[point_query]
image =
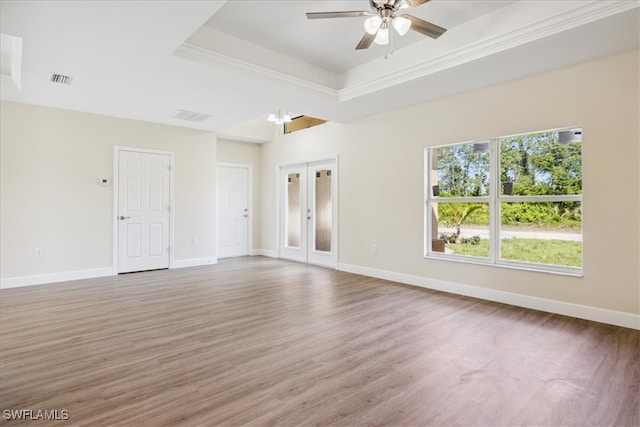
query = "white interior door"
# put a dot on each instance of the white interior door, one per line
(143, 211)
(233, 211)
(309, 213)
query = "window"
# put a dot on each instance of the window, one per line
(511, 201)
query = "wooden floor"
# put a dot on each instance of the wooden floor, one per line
(260, 341)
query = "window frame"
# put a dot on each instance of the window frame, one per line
(494, 200)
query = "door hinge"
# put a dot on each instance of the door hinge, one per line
(169, 167)
(168, 208)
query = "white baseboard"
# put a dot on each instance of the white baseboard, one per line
(264, 252)
(196, 262)
(41, 279)
(612, 317)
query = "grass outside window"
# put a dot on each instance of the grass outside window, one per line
(537, 251)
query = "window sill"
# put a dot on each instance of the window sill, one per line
(536, 268)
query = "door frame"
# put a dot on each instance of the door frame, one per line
(278, 226)
(116, 188)
(249, 169)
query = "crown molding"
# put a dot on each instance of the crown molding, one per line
(573, 18)
(225, 62)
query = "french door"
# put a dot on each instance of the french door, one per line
(308, 213)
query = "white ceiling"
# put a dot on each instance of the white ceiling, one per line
(239, 59)
(330, 43)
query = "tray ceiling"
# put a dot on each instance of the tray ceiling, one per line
(234, 61)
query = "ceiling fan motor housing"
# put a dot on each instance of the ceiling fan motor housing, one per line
(393, 5)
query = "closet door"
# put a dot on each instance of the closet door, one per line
(232, 195)
(144, 214)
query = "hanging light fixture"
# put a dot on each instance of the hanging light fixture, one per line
(379, 25)
(279, 117)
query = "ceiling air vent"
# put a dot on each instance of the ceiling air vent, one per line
(190, 116)
(61, 79)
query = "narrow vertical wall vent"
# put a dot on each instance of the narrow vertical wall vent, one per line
(190, 116)
(61, 79)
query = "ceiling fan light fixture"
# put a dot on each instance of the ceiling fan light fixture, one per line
(372, 24)
(402, 25)
(279, 117)
(382, 36)
(403, 4)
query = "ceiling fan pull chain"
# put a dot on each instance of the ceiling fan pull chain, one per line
(391, 42)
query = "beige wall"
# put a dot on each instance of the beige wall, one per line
(51, 161)
(381, 178)
(246, 153)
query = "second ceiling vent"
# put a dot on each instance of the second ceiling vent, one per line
(190, 116)
(60, 79)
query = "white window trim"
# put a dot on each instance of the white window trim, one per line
(494, 199)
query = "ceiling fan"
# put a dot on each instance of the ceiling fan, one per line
(383, 16)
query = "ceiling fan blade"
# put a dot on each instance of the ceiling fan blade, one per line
(366, 41)
(424, 27)
(403, 4)
(347, 14)
(416, 3)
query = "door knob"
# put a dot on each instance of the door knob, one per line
(122, 218)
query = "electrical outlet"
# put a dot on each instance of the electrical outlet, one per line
(39, 252)
(194, 241)
(374, 248)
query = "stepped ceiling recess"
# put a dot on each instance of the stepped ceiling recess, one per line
(234, 61)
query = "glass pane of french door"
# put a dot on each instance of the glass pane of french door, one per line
(293, 207)
(323, 211)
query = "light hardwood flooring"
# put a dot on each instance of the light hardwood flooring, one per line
(258, 341)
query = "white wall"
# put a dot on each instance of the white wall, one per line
(51, 161)
(247, 154)
(381, 180)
